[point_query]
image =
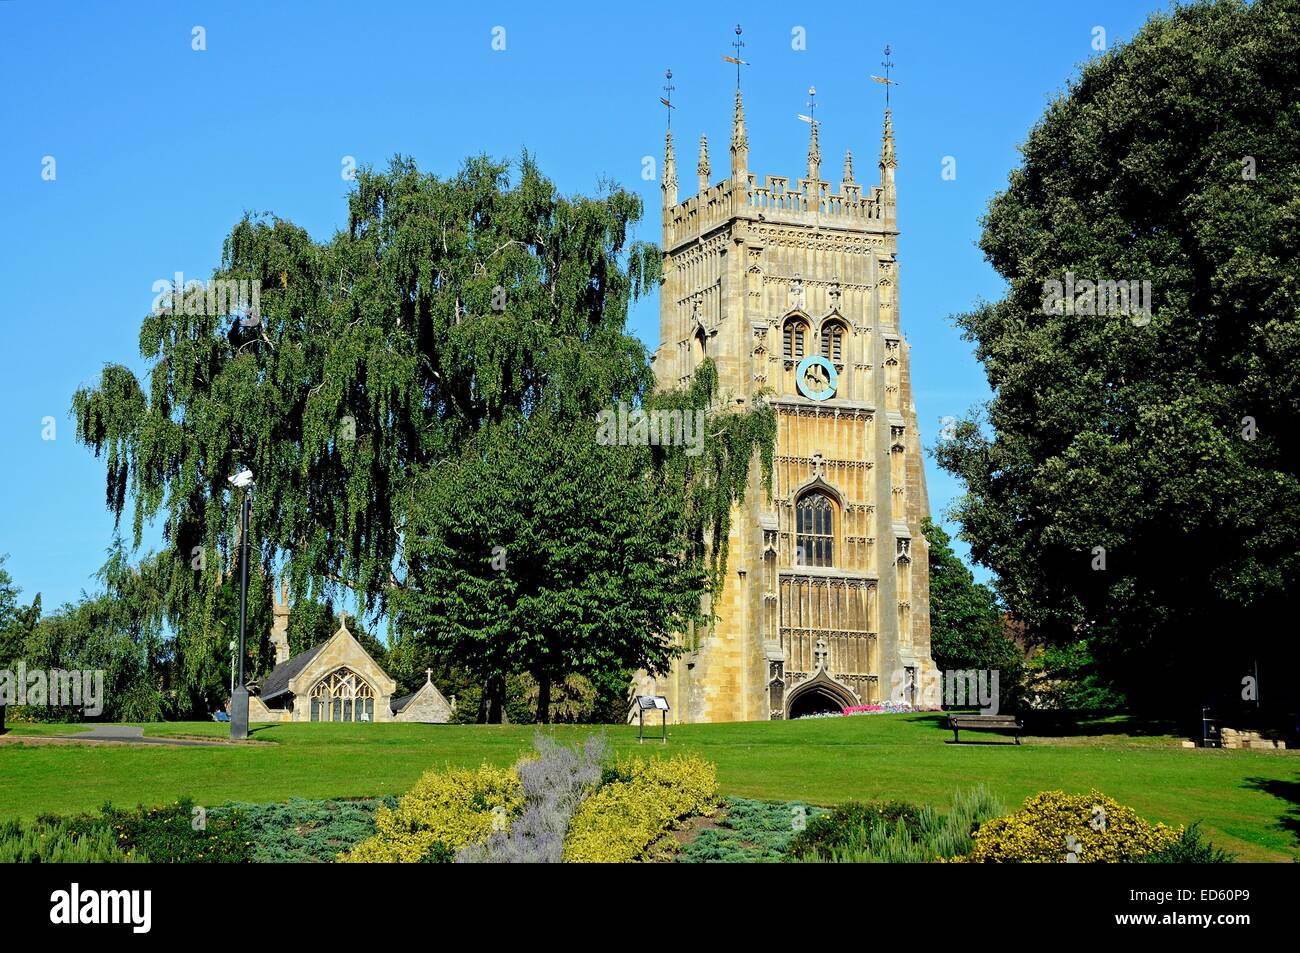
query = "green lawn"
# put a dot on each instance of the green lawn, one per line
(1249, 801)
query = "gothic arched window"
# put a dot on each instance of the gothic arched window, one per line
(814, 530)
(342, 695)
(833, 342)
(795, 333)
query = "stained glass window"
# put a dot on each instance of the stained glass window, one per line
(814, 530)
(342, 696)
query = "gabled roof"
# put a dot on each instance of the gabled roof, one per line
(398, 704)
(341, 645)
(277, 683)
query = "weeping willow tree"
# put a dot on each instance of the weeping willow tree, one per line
(712, 482)
(415, 397)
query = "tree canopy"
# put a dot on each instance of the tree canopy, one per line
(1134, 479)
(967, 628)
(414, 393)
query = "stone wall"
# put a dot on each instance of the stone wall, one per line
(257, 711)
(1234, 738)
(428, 706)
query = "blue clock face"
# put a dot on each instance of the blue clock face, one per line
(817, 378)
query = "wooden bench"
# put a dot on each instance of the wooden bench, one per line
(1003, 723)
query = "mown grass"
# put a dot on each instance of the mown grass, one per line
(1247, 800)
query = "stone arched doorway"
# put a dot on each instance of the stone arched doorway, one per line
(815, 702)
(819, 694)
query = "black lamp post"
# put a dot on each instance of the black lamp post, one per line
(239, 697)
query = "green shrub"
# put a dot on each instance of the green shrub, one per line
(173, 834)
(1055, 827)
(749, 832)
(443, 812)
(43, 715)
(53, 842)
(305, 831)
(899, 833)
(640, 803)
(1189, 849)
(439, 854)
(845, 824)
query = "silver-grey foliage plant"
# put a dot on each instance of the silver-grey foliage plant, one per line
(554, 783)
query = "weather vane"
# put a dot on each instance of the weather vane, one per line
(668, 100)
(888, 64)
(737, 44)
(812, 106)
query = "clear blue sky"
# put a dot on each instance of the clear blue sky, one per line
(159, 149)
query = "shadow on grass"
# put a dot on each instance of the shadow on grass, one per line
(993, 744)
(1072, 724)
(1288, 791)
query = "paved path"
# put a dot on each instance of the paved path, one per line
(130, 735)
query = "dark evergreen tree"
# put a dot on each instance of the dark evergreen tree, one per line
(968, 629)
(1135, 481)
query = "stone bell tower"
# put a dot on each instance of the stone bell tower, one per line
(792, 288)
(280, 624)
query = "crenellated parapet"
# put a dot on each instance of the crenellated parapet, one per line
(809, 201)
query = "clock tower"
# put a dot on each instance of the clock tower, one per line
(792, 288)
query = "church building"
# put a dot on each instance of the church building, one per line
(793, 288)
(336, 680)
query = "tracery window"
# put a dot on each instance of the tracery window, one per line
(343, 695)
(814, 530)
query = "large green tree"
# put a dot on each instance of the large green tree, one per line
(543, 550)
(1134, 481)
(116, 630)
(968, 629)
(459, 334)
(16, 621)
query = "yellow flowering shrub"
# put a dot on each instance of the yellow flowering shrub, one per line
(1056, 828)
(625, 818)
(451, 808)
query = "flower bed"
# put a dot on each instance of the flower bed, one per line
(556, 804)
(640, 803)
(885, 708)
(443, 812)
(176, 833)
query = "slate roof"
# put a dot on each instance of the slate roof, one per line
(397, 704)
(277, 683)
